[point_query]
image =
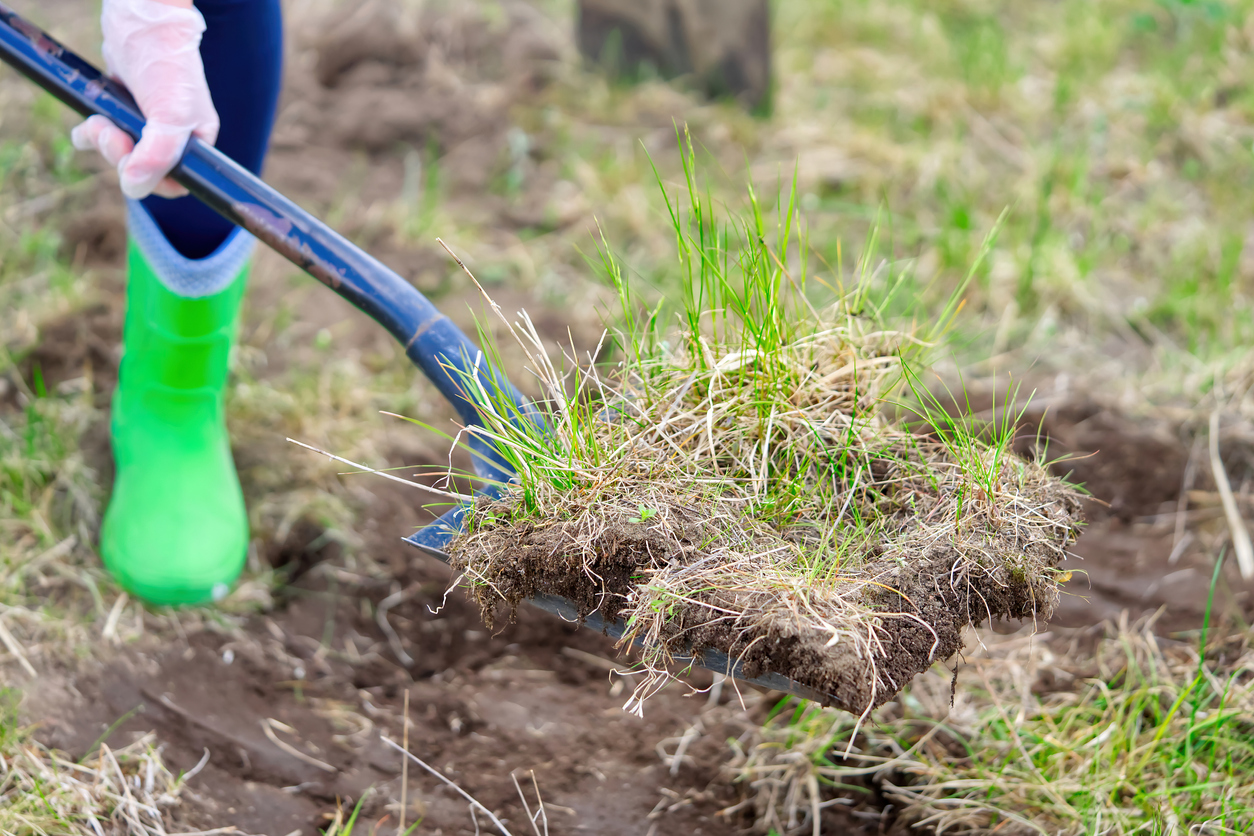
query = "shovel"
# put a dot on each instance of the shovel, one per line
(431, 340)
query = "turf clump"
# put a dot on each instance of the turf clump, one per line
(736, 483)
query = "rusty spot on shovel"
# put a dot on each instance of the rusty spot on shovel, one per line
(279, 234)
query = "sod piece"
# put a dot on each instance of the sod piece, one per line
(736, 483)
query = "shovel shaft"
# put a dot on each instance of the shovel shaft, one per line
(431, 340)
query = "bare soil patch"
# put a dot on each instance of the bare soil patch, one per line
(424, 101)
(80, 348)
(1132, 468)
(1142, 550)
(484, 705)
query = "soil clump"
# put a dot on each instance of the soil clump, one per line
(920, 602)
(750, 498)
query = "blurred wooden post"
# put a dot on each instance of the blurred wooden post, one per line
(724, 45)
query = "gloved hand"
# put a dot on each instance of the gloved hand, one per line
(153, 47)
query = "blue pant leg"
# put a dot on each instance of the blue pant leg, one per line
(242, 50)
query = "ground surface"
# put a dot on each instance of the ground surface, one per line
(482, 708)
(537, 696)
(395, 151)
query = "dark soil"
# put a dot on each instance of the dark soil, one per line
(530, 697)
(926, 599)
(83, 346)
(1130, 468)
(1135, 470)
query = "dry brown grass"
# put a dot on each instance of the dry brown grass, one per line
(122, 792)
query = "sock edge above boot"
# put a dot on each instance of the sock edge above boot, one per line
(183, 276)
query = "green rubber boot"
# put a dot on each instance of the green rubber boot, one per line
(176, 531)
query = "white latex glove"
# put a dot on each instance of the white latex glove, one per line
(153, 47)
